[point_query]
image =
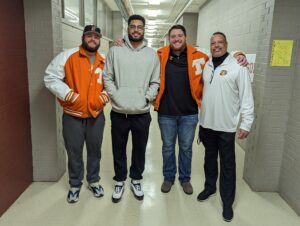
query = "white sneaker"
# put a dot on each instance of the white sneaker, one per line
(73, 195)
(97, 189)
(118, 192)
(136, 188)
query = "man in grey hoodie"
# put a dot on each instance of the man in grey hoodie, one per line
(131, 78)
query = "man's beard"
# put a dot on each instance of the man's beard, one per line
(132, 39)
(88, 48)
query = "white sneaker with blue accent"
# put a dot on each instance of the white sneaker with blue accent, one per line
(97, 189)
(73, 195)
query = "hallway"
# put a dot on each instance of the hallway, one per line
(44, 204)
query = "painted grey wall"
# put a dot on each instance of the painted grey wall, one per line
(117, 25)
(71, 35)
(43, 41)
(190, 22)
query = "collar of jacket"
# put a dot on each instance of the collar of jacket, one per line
(182, 53)
(227, 60)
(164, 52)
(98, 57)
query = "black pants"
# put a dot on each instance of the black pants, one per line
(76, 131)
(121, 124)
(217, 142)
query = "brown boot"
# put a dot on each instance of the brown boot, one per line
(166, 186)
(187, 188)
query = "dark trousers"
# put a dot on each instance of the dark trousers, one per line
(121, 124)
(223, 143)
(76, 131)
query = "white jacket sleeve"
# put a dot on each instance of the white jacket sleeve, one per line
(109, 75)
(246, 99)
(54, 76)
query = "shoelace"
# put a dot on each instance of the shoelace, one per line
(137, 186)
(118, 189)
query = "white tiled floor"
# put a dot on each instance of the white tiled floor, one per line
(44, 204)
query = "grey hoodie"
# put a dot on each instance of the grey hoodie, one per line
(131, 76)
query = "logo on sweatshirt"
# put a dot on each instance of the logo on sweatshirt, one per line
(198, 63)
(223, 72)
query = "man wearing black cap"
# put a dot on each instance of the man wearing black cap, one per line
(75, 78)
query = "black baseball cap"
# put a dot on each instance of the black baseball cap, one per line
(88, 29)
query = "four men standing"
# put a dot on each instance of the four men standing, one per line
(132, 80)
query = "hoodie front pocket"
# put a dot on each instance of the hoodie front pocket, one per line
(130, 98)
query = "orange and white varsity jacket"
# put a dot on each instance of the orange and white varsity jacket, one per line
(196, 62)
(77, 84)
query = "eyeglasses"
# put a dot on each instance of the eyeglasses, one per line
(134, 27)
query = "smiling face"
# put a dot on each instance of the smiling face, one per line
(91, 42)
(177, 40)
(218, 45)
(136, 30)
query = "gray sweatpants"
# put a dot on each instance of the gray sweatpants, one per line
(76, 131)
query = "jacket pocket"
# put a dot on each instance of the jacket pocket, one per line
(77, 108)
(97, 103)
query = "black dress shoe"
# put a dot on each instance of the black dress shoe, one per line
(205, 194)
(227, 214)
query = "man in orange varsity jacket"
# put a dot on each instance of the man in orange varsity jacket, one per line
(75, 78)
(177, 103)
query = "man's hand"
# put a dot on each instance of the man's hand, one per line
(242, 134)
(71, 96)
(119, 42)
(242, 60)
(104, 97)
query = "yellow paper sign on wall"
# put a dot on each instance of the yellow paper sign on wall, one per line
(281, 53)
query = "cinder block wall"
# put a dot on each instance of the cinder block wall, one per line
(287, 17)
(238, 19)
(272, 159)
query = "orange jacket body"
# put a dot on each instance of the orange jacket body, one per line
(71, 71)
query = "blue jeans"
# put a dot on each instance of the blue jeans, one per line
(184, 127)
